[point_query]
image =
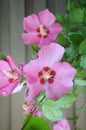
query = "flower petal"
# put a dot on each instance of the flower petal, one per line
(49, 54)
(11, 62)
(46, 17)
(18, 88)
(61, 125)
(6, 67)
(31, 38)
(8, 89)
(64, 73)
(55, 91)
(63, 80)
(55, 29)
(31, 71)
(34, 90)
(31, 23)
(45, 41)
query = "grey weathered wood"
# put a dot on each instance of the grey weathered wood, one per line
(39, 5)
(81, 101)
(17, 50)
(11, 18)
(5, 105)
(60, 6)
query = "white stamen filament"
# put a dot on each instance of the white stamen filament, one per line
(43, 31)
(11, 74)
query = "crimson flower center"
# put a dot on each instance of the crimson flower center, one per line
(46, 75)
(43, 31)
(12, 75)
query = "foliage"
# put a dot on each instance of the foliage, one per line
(3, 57)
(35, 123)
(73, 38)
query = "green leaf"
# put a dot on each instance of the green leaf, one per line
(51, 109)
(2, 57)
(62, 40)
(82, 47)
(76, 14)
(50, 112)
(74, 118)
(84, 108)
(75, 38)
(70, 5)
(70, 53)
(65, 18)
(40, 97)
(80, 82)
(81, 89)
(58, 18)
(82, 2)
(27, 117)
(85, 18)
(83, 32)
(36, 123)
(83, 62)
(66, 101)
(78, 128)
(35, 48)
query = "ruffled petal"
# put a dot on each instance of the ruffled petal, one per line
(3, 81)
(57, 127)
(49, 54)
(31, 38)
(64, 73)
(31, 71)
(45, 41)
(4, 66)
(46, 17)
(61, 125)
(34, 90)
(31, 23)
(11, 62)
(55, 91)
(8, 89)
(55, 28)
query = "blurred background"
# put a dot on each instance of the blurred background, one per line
(12, 13)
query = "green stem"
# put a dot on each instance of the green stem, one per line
(31, 114)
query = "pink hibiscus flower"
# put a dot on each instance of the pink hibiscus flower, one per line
(41, 29)
(48, 74)
(61, 125)
(10, 76)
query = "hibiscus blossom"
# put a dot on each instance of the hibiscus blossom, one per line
(40, 29)
(10, 76)
(47, 74)
(61, 125)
